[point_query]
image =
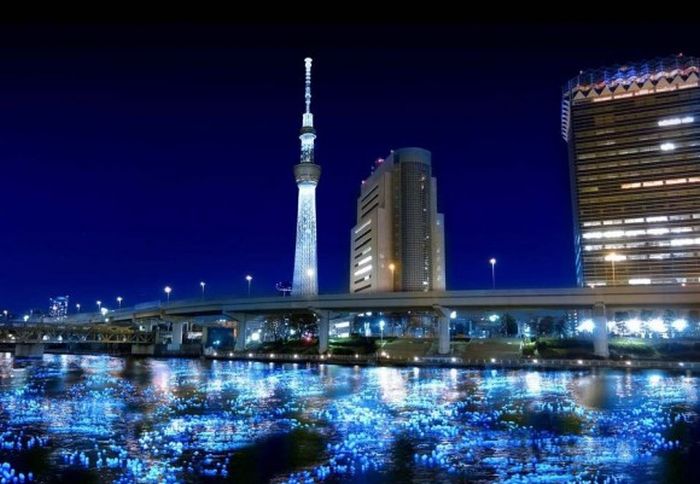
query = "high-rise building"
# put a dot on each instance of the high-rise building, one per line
(634, 144)
(307, 174)
(398, 243)
(58, 308)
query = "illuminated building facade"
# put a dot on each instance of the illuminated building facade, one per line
(307, 174)
(634, 153)
(398, 242)
(58, 308)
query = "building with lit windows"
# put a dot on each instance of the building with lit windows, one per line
(398, 242)
(634, 142)
(58, 308)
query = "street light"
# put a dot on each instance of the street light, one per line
(119, 301)
(202, 284)
(392, 268)
(77, 307)
(613, 257)
(99, 305)
(249, 278)
(6, 313)
(492, 261)
(168, 290)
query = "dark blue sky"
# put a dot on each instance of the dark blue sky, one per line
(132, 157)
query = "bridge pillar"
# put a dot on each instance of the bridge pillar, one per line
(324, 326)
(600, 331)
(177, 335)
(443, 329)
(241, 332)
(29, 350)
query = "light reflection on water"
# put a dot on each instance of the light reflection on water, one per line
(98, 418)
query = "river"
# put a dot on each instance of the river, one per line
(84, 419)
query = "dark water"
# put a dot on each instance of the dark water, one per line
(101, 419)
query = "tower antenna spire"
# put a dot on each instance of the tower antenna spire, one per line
(307, 84)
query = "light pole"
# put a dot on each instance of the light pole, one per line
(99, 306)
(119, 301)
(249, 278)
(6, 313)
(168, 290)
(202, 284)
(612, 258)
(77, 307)
(392, 268)
(492, 261)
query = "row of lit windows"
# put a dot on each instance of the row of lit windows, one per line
(632, 138)
(655, 219)
(363, 226)
(666, 146)
(633, 199)
(646, 281)
(362, 270)
(658, 183)
(639, 245)
(616, 234)
(643, 160)
(658, 256)
(664, 170)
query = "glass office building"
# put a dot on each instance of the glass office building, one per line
(634, 153)
(398, 243)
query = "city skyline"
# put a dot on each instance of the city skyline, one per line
(138, 223)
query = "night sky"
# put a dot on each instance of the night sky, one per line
(132, 157)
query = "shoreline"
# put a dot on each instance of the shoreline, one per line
(687, 367)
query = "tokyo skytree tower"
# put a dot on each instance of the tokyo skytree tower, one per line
(307, 174)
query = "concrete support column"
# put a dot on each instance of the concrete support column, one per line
(205, 336)
(443, 329)
(241, 334)
(600, 331)
(29, 350)
(323, 331)
(444, 335)
(177, 335)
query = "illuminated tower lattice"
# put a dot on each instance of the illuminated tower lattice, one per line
(307, 174)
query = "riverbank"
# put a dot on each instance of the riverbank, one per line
(455, 362)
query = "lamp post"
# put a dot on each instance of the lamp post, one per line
(119, 301)
(99, 306)
(168, 290)
(249, 278)
(77, 307)
(392, 268)
(612, 258)
(492, 261)
(6, 313)
(202, 284)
